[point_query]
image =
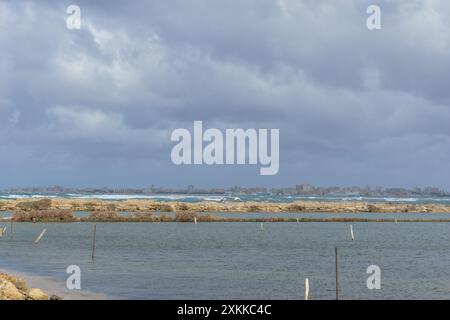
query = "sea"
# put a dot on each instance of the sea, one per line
(260, 197)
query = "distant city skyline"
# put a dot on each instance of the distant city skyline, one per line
(299, 189)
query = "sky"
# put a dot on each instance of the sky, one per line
(97, 106)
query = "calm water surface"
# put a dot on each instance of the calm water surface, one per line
(238, 260)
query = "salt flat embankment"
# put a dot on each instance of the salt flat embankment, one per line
(141, 205)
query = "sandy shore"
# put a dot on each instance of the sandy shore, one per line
(141, 205)
(50, 287)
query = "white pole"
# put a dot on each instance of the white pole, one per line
(306, 289)
(351, 233)
(195, 220)
(262, 226)
(40, 236)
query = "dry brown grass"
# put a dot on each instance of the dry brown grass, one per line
(111, 207)
(163, 207)
(143, 217)
(165, 218)
(89, 206)
(104, 215)
(112, 216)
(182, 206)
(44, 216)
(42, 204)
(209, 218)
(185, 216)
(254, 208)
(372, 208)
(295, 207)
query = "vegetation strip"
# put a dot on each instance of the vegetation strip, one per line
(100, 216)
(144, 205)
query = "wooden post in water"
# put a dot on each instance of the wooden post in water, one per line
(395, 220)
(298, 220)
(262, 226)
(351, 233)
(40, 236)
(306, 289)
(337, 271)
(93, 241)
(195, 220)
(1, 232)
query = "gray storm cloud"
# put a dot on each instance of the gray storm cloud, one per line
(96, 106)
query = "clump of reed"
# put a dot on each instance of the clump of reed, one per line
(112, 216)
(163, 207)
(111, 207)
(254, 208)
(192, 217)
(209, 218)
(104, 216)
(90, 206)
(142, 217)
(165, 218)
(411, 208)
(182, 206)
(371, 208)
(44, 216)
(185, 216)
(295, 207)
(41, 204)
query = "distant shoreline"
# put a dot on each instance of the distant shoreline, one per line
(63, 210)
(145, 205)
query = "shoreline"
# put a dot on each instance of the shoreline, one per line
(58, 216)
(215, 219)
(53, 288)
(65, 210)
(16, 288)
(144, 205)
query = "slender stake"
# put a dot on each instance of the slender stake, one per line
(40, 236)
(11, 228)
(306, 288)
(262, 226)
(337, 272)
(351, 233)
(93, 241)
(195, 220)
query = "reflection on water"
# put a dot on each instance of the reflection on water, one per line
(238, 260)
